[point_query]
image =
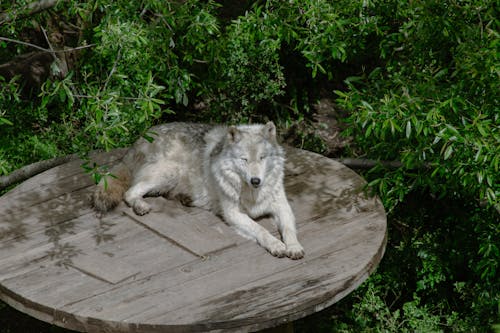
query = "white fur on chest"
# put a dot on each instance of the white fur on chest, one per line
(257, 202)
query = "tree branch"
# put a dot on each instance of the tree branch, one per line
(363, 164)
(32, 8)
(44, 49)
(30, 170)
(26, 44)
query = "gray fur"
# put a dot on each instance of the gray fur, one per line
(236, 172)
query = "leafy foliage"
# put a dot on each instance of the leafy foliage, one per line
(419, 80)
(434, 105)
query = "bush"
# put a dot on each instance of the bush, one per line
(418, 79)
(434, 103)
(433, 106)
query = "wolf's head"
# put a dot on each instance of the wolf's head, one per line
(255, 153)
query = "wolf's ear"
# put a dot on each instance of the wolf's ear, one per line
(233, 134)
(269, 131)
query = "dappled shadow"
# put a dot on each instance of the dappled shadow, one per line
(45, 216)
(319, 187)
(102, 232)
(14, 230)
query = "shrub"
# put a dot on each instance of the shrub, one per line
(434, 103)
(419, 80)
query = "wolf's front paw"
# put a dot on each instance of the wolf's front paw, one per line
(277, 248)
(141, 207)
(295, 251)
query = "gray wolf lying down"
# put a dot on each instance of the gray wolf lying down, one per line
(235, 172)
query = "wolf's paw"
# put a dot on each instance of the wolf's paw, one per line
(277, 248)
(295, 251)
(141, 208)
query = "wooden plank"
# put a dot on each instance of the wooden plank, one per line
(52, 176)
(21, 223)
(65, 249)
(52, 183)
(36, 247)
(23, 200)
(256, 274)
(317, 186)
(266, 297)
(56, 243)
(104, 267)
(154, 254)
(226, 270)
(194, 233)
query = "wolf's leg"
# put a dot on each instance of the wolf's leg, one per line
(153, 179)
(286, 225)
(248, 228)
(134, 196)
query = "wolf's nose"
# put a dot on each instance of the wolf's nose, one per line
(255, 181)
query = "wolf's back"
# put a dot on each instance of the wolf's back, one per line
(109, 191)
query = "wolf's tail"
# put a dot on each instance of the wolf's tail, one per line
(110, 190)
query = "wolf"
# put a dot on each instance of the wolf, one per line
(234, 171)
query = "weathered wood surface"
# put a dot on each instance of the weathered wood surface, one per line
(181, 269)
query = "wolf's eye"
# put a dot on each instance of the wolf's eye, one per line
(244, 159)
(263, 157)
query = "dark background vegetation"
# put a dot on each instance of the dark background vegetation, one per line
(415, 82)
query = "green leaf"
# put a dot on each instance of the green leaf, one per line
(97, 178)
(478, 153)
(448, 152)
(480, 176)
(5, 121)
(367, 105)
(148, 138)
(408, 129)
(452, 129)
(368, 131)
(374, 182)
(441, 73)
(341, 93)
(481, 130)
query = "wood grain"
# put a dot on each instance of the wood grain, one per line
(182, 269)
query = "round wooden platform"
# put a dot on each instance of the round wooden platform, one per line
(181, 269)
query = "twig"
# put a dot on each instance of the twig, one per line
(44, 49)
(26, 44)
(30, 170)
(118, 56)
(117, 97)
(75, 48)
(51, 49)
(62, 66)
(481, 24)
